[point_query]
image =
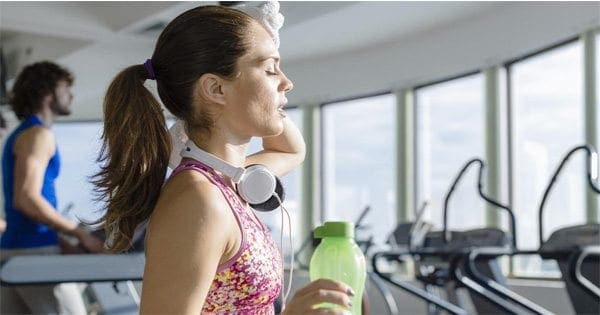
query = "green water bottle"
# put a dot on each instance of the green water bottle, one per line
(339, 258)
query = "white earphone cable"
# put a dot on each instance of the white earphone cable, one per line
(285, 293)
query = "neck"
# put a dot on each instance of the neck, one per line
(223, 145)
(46, 116)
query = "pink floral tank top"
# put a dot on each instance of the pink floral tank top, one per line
(250, 281)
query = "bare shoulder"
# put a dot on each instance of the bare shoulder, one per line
(37, 139)
(188, 235)
(192, 192)
(190, 209)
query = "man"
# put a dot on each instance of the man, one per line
(2, 135)
(30, 164)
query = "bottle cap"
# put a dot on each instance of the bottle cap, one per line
(335, 229)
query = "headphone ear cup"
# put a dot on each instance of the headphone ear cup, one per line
(272, 203)
(257, 185)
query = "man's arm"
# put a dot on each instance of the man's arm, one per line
(33, 150)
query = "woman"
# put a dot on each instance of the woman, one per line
(217, 69)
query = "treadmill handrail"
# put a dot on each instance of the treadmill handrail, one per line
(579, 277)
(497, 287)
(488, 199)
(479, 289)
(385, 292)
(592, 175)
(418, 292)
(419, 227)
(60, 268)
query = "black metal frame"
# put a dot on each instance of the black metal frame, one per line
(590, 152)
(418, 292)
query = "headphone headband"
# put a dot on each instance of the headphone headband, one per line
(190, 150)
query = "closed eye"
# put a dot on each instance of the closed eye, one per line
(271, 72)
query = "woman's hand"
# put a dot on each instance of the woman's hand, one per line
(283, 153)
(320, 291)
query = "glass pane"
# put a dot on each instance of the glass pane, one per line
(450, 131)
(291, 183)
(359, 163)
(548, 121)
(79, 145)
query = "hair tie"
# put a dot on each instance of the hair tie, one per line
(150, 69)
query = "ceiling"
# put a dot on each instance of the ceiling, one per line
(332, 50)
(68, 27)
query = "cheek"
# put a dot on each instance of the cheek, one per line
(262, 97)
(63, 97)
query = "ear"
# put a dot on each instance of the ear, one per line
(48, 99)
(210, 88)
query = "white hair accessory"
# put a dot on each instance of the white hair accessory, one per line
(267, 14)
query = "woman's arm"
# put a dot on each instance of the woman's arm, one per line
(188, 235)
(282, 153)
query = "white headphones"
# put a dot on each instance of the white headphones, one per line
(255, 183)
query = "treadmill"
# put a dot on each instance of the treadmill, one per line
(444, 260)
(576, 249)
(473, 264)
(407, 238)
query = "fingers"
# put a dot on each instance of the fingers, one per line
(318, 292)
(328, 296)
(331, 311)
(326, 284)
(319, 311)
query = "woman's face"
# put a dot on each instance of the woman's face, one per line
(256, 95)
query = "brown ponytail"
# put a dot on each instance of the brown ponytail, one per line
(134, 156)
(136, 146)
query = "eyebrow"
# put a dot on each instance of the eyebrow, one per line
(270, 57)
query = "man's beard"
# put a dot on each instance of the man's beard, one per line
(59, 110)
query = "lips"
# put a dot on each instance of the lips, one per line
(281, 110)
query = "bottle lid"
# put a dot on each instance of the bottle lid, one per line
(335, 229)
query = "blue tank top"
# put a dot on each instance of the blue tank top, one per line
(22, 232)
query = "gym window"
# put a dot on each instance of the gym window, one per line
(358, 156)
(450, 119)
(79, 144)
(547, 120)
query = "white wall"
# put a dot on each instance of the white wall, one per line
(488, 39)
(94, 70)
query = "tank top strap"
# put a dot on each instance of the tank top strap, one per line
(208, 172)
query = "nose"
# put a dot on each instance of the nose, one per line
(287, 84)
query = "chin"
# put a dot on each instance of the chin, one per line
(274, 129)
(62, 112)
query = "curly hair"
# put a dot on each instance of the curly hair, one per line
(33, 83)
